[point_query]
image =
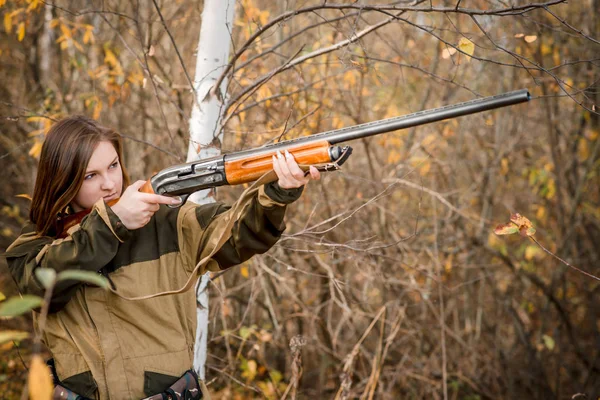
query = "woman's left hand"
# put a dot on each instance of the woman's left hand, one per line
(289, 173)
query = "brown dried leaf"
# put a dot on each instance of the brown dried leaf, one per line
(506, 229)
(525, 226)
(530, 38)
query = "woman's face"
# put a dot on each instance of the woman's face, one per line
(103, 178)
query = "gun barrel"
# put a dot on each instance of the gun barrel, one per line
(427, 116)
(415, 119)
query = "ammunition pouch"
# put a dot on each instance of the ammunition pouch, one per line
(185, 388)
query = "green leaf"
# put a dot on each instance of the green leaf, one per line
(276, 376)
(19, 305)
(507, 229)
(46, 276)
(548, 342)
(85, 276)
(245, 332)
(7, 336)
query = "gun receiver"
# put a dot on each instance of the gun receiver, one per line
(318, 149)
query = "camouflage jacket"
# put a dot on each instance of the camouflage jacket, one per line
(105, 347)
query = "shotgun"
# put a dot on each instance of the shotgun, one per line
(319, 149)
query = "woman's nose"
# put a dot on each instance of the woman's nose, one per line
(107, 183)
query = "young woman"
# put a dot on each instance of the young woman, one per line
(103, 346)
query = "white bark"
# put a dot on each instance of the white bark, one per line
(45, 47)
(205, 128)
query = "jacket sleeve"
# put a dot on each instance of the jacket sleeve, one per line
(258, 228)
(89, 246)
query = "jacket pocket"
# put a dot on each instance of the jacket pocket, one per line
(83, 384)
(155, 382)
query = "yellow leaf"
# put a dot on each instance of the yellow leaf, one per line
(8, 22)
(35, 133)
(350, 77)
(546, 50)
(65, 30)
(504, 167)
(110, 58)
(39, 380)
(136, 78)
(2, 2)
(24, 196)
(466, 46)
(244, 271)
(393, 157)
(264, 17)
(36, 149)
(532, 252)
(88, 36)
(35, 119)
(551, 189)
(530, 38)
(519, 35)
(556, 56)
(33, 5)
(548, 342)
(583, 150)
(250, 371)
(429, 140)
(448, 263)
(97, 109)
(541, 213)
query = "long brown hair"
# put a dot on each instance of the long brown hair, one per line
(65, 155)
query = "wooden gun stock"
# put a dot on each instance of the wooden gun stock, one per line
(71, 220)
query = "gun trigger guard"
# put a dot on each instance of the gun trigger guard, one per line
(183, 198)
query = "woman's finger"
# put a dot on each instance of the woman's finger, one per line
(277, 168)
(285, 169)
(314, 173)
(295, 170)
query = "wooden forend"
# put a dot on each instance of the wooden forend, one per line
(251, 168)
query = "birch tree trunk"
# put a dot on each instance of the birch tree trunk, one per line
(205, 129)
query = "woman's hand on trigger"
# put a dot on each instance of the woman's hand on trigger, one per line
(289, 173)
(135, 209)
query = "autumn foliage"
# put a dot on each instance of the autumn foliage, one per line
(390, 281)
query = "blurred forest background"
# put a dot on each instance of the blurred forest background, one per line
(389, 282)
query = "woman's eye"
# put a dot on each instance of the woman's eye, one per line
(114, 165)
(88, 177)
